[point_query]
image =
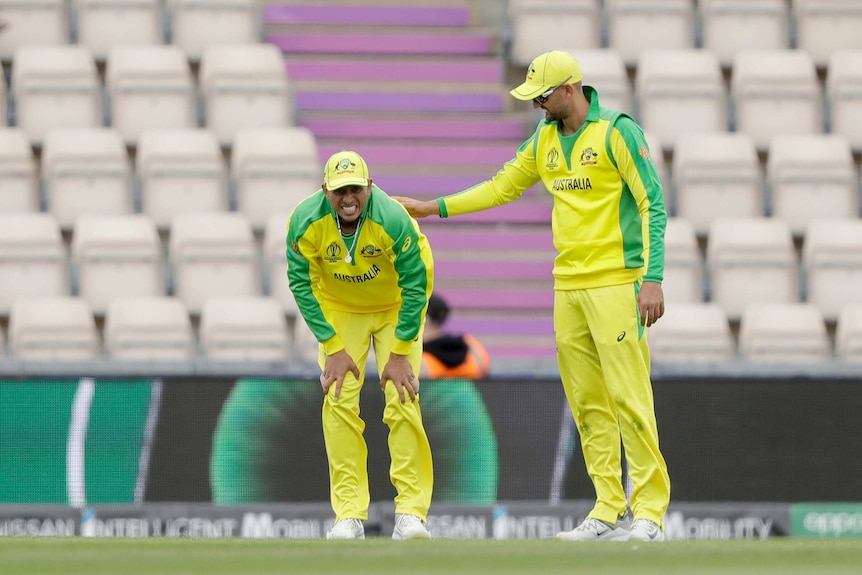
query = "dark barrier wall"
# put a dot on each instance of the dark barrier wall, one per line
(242, 441)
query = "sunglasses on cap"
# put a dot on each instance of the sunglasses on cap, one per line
(543, 97)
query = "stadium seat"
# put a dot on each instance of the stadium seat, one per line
(55, 87)
(149, 329)
(848, 333)
(244, 329)
(605, 70)
(716, 175)
(180, 171)
(826, 26)
(305, 346)
(104, 24)
(683, 263)
(730, 26)
(198, 24)
(783, 333)
(244, 86)
(692, 332)
(751, 260)
(33, 258)
(212, 255)
(19, 177)
(656, 148)
(53, 328)
(770, 86)
(273, 169)
(832, 264)
(812, 176)
(275, 262)
(85, 171)
(542, 25)
(844, 95)
(638, 25)
(680, 91)
(115, 256)
(149, 87)
(33, 23)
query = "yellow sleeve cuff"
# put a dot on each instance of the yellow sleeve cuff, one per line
(333, 345)
(402, 347)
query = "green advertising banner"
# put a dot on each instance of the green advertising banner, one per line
(834, 520)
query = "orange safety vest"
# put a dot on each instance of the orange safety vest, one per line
(476, 364)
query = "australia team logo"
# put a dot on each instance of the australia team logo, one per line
(589, 157)
(370, 251)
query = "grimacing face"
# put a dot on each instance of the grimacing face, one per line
(348, 201)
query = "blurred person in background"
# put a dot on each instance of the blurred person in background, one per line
(447, 355)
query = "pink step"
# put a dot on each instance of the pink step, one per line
(394, 101)
(443, 236)
(479, 326)
(492, 154)
(468, 71)
(499, 299)
(449, 269)
(353, 15)
(477, 127)
(402, 44)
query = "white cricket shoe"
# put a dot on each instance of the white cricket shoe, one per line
(347, 529)
(597, 530)
(646, 531)
(409, 527)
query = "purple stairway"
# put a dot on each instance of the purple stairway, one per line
(421, 93)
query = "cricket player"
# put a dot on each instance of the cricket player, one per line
(361, 272)
(608, 224)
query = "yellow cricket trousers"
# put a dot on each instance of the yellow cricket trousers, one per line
(605, 369)
(411, 470)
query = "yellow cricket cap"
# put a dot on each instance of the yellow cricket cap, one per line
(345, 168)
(547, 71)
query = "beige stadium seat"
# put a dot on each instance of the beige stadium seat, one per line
(86, 171)
(638, 25)
(198, 24)
(244, 329)
(104, 24)
(4, 104)
(149, 329)
(680, 91)
(826, 26)
(273, 169)
(150, 87)
(275, 262)
(19, 176)
(751, 260)
(683, 263)
(832, 264)
(33, 258)
(657, 155)
(116, 256)
(542, 25)
(212, 255)
(716, 175)
(305, 345)
(53, 329)
(848, 333)
(180, 171)
(244, 86)
(812, 176)
(770, 86)
(692, 332)
(844, 95)
(605, 70)
(783, 333)
(730, 26)
(55, 87)
(33, 23)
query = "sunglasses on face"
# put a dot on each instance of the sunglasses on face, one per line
(543, 97)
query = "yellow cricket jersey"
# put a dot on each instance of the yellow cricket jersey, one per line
(609, 216)
(390, 266)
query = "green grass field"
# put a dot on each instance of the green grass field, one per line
(65, 556)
